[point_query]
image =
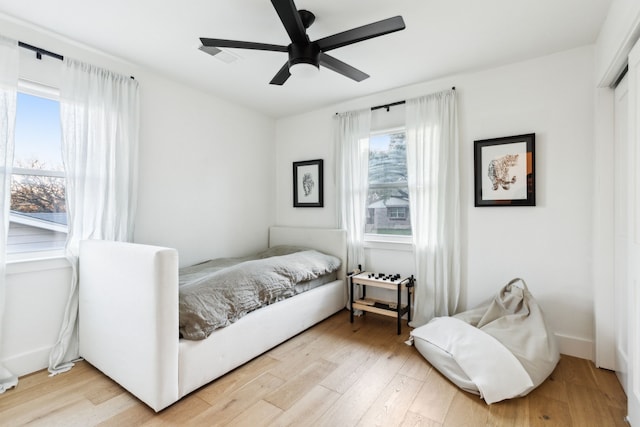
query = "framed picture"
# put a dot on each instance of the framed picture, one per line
(307, 184)
(505, 171)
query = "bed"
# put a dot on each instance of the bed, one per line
(128, 326)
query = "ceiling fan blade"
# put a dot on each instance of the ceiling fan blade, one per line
(342, 68)
(291, 20)
(281, 76)
(242, 45)
(359, 34)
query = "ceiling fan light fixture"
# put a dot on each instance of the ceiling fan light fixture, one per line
(304, 70)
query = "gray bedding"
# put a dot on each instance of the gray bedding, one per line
(216, 293)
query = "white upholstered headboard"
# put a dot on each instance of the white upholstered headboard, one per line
(332, 241)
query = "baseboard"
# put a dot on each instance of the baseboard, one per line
(577, 347)
(27, 363)
(37, 360)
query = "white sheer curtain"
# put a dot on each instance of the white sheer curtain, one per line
(433, 178)
(8, 96)
(100, 113)
(351, 132)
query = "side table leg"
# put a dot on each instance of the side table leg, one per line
(351, 298)
(409, 288)
(399, 308)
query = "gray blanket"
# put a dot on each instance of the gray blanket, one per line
(219, 292)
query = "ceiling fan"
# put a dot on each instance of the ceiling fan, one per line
(303, 52)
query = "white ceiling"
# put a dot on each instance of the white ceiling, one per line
(443, 37)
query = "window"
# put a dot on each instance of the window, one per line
(388, 199)
(395, 212)
(38, 218)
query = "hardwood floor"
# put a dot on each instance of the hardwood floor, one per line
(334, 374)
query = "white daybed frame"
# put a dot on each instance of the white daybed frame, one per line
(128, 319)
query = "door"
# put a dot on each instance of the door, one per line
(620, 222)
(633, 233)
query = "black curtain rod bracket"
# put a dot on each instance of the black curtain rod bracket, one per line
(393, 104)
(39, 51)
(387, 106)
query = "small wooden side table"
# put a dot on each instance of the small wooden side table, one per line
(387, 308)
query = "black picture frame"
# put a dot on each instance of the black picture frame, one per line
(505, 171)
(308, 184)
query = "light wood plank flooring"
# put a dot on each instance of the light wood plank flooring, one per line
(334, 374)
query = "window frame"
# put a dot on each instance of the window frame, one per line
(387, 241)
(47, 92)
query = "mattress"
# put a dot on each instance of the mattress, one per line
(219, 292)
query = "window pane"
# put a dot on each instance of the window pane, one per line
(38, 218)
(41, 195)
(388, 198)
(387, 158)
(37, 135)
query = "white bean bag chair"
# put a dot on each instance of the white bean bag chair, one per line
(500, 350)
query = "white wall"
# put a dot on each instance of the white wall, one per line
(206, 187)
(206, 174)
(36, 295)
(548, 245)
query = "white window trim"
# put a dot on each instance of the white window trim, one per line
(37, 172)
(24, 262)
(388, 130)
(388, 241)
(384, 185)
(35, 222)
(38, 89)
(28, 262)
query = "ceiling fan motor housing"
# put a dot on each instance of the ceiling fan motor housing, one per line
(308, 53)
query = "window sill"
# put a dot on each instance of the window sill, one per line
(394, 243)
(36, 261)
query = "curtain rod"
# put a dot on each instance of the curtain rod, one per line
(393, 104)
(39, 52)
(387, 106)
